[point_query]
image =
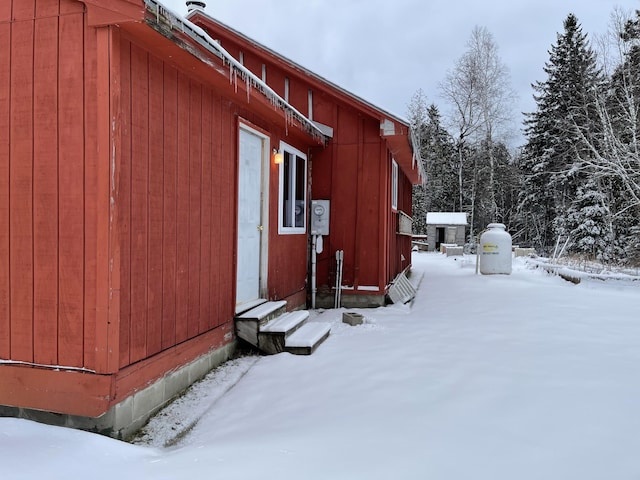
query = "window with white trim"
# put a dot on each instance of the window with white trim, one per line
(292, 217)
(394, 185)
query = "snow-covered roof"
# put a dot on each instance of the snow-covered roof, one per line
(175, 21)
(446, 218)
(385, 116)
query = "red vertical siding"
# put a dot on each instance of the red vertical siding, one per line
(216, 212)
(47, 8)
(108, 86)
(20, 187)
(195, 191)
(45, 190)
(182, 242)
(367, 251)
(124, 205)
(139, 200)
(96, 202)
(205, 320)
(69, 6)
(5, 15)
(180, 154)
(71, 178)
(48, 230)
(5, 83)
(23, 9)
(228, 205)
(169, 231)
(155, 206)
(344, 221)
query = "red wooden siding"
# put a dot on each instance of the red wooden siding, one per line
(170, 212)
(124, 208)
(20, 190)
(48, 240)
(71, 170)
(5, 105)
(287, 256)
(45, 185)
(355, 172)
(176, 197)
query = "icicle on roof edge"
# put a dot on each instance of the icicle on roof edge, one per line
(176, 21)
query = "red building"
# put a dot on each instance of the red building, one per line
(141, 207)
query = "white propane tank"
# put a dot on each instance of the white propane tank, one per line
(495, 250)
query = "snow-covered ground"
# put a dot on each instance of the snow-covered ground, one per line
(523, 376)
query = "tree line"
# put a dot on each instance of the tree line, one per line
(573, 188)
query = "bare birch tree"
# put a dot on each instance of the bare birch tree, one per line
(479, 93)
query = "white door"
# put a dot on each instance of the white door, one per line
(249, 217)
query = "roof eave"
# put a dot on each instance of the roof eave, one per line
(168, 23)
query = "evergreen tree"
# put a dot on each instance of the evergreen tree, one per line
(438, 191)
(589, 223)
(614, 155)
(554, 133)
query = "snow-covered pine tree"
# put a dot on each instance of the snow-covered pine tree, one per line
(439, 190)
(614, 144)
(589, 223)
(553, 145)
(622, 150)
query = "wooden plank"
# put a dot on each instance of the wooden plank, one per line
(71, 191)
(47, 8)
(71, 6)
(344, 193)
(139, 200)
(112, 293)
(228, 206)
(206, 230)
(169, 235)
(216, 211)
(182, 241)
(5, 15)
(24, 10)
(195, 187)
(156, 191)
(75, 393)
(368, 246)
(45, 192)
(5, 84)
(384, 203)
(124, 205)
(101, 346)
(21, 192)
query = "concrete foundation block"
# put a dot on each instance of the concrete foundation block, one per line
(352, 318)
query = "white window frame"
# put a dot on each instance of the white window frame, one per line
(293, 152)
(394, 184)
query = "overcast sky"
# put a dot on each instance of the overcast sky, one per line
(384, 51)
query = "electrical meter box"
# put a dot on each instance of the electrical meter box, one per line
(320, 217)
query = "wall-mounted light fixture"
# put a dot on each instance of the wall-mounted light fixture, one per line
(278, 158)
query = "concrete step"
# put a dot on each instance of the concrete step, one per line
(307, 338)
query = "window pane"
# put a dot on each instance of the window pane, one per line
(293, 192)
(300, 191)
(287, 165)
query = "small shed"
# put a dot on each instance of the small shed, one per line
(445, 227)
